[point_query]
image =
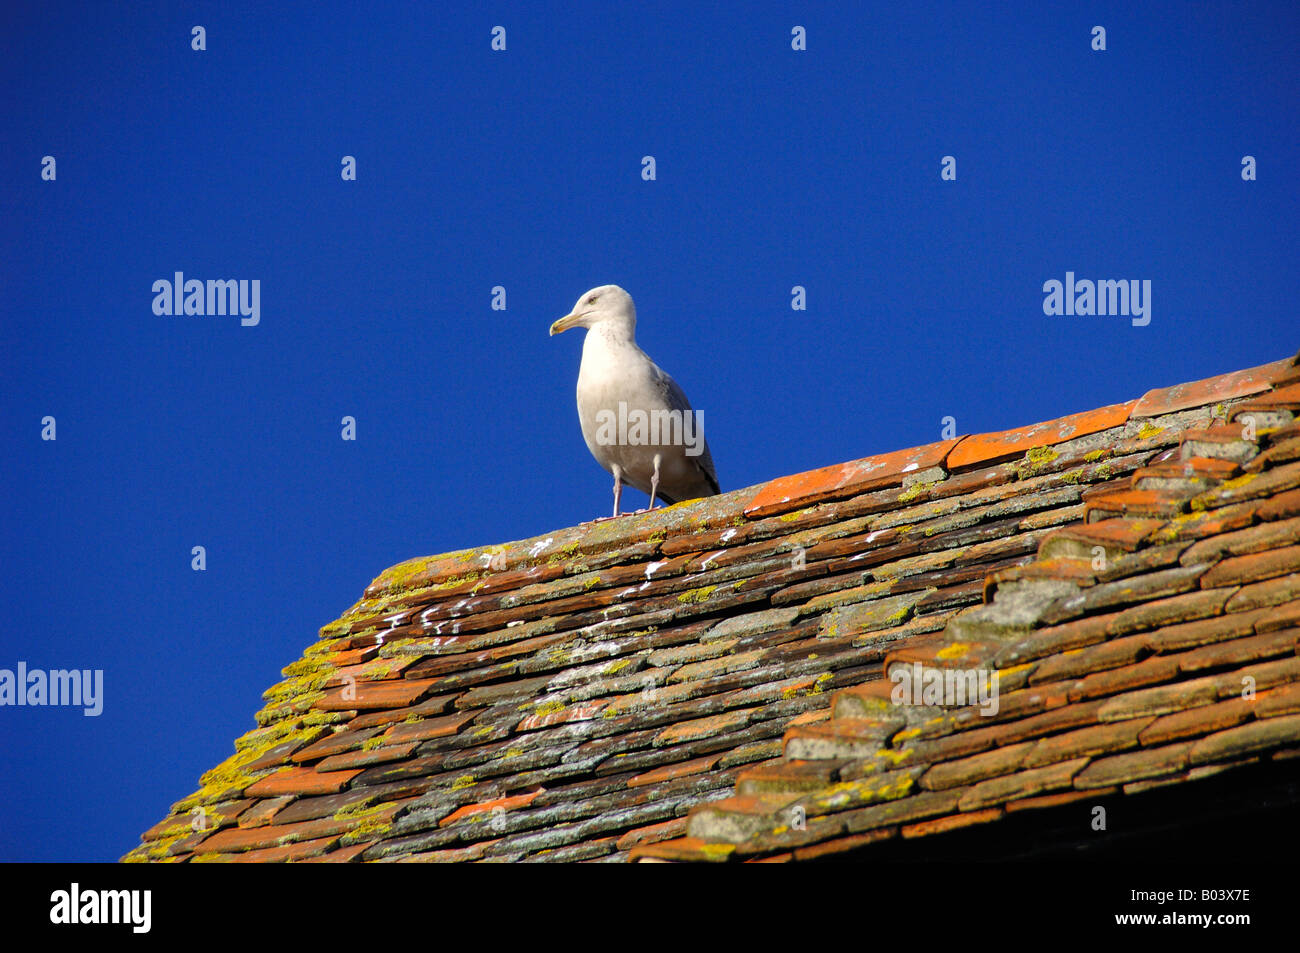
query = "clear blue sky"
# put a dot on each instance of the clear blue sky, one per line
(522, 169)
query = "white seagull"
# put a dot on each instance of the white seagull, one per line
(637, 422)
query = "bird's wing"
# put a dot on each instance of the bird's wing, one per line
(675, 399)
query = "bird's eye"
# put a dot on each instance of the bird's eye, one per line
(591, 300)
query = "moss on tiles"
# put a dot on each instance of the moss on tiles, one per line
(914, 491)
(158, 849)
(359, 808)
(1149, 430)
(305, 666)
(696, 595)
(1092, 456)
(230, 777)
(718, 851)
(270, 735)
(820, 683)
(298, 686)
(1035, 461)
(563, 554)
(298, 706)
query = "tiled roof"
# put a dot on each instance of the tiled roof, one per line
(709, 681)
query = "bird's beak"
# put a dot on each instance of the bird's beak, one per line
(564, 323)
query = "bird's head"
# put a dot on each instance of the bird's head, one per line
(608, 303)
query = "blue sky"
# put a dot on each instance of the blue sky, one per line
(522, 169)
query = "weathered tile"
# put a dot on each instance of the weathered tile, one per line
(1256, 566)
(365, 757)
(1086, 742)
(941, 825)
(703, 727)
(1246, 739)
(263, 811)
(987, 448)
(1029, 783)
(1124, 592)
(1212, 390)
(846, 479)
(1270, 592)
(1136, 766)
(680, 769)
(979, 767)
(653, 834)
(1271, 535)
(1283, 700)
(1150, 671)
(841, 845)
(394, 693)
(301, 781)
(1161, 699)
(1194, 722)
(1237, 651)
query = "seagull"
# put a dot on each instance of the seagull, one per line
(636, 421)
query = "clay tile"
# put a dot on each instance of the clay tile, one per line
(992, 447)
(845, 479)
(1212, 390)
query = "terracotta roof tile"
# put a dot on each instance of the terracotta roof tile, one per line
(710, 681)
(846, 479)
(986, 448)
(301, 781)
(1212, 390)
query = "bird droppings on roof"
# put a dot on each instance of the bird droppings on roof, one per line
(715, 681)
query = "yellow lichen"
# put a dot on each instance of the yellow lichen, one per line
(717, 850)
(696, 595)
(915, 490)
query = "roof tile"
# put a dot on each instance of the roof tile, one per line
(1212, 390)
(845, 479)
(301, 781)
(572, 696)
(988, 448)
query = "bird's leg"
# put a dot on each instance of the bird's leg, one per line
(618, 487)
(654, 481)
